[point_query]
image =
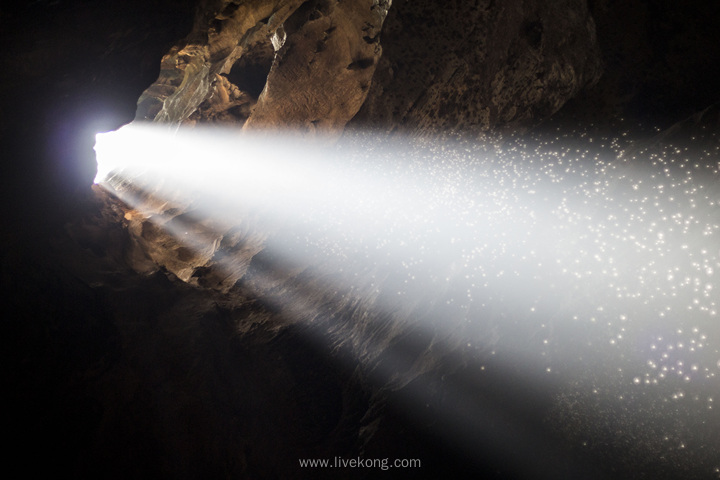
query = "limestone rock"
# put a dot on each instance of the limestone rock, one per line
(223, 31)
(324, 43)
(475, 66)
(324, 68)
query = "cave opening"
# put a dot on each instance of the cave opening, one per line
(250, 72)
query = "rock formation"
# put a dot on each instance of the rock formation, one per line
(501, 65)
(298, 46)
(490, 65)
(495, 65)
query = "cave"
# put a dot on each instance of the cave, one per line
(361, 238)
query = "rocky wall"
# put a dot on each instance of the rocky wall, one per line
(476, 66)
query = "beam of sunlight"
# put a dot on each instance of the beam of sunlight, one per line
(577, 269)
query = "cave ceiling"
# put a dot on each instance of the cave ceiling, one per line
(470, 66)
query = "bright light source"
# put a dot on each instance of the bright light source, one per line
(556, 257)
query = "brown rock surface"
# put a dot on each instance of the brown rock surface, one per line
(475, 66)
(464, 67)
(324, 68)
(318, 43)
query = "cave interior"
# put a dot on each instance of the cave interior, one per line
(130, 354)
